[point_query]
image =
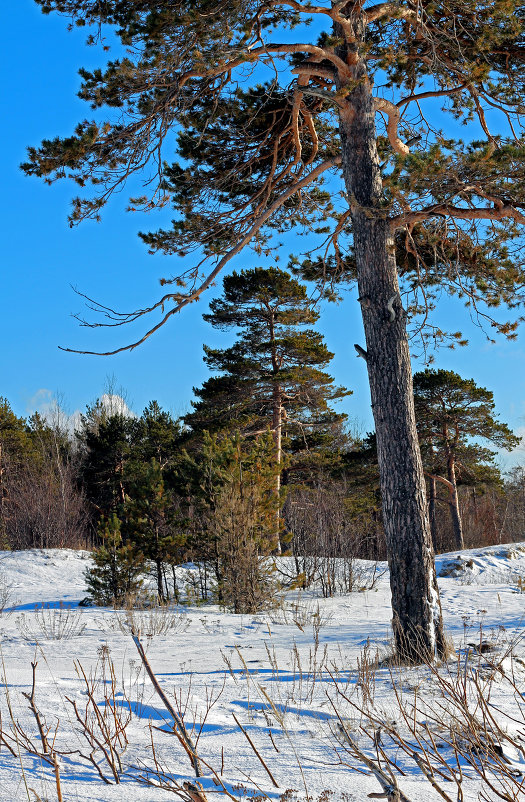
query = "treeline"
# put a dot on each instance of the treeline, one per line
(149, 495)
(262, 465)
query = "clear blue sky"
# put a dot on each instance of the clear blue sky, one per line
(41, 257)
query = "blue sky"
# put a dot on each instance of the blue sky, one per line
(41, 257)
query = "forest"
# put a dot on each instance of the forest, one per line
(262, 465)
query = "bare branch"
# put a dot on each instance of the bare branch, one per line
(228, 256)
(393, 114)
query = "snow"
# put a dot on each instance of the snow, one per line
(283, 673)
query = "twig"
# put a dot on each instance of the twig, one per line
(31, 699)
(270, 775)
(179, 728)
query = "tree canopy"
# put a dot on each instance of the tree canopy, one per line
(256, 121)
(273, 375)
(452, 413)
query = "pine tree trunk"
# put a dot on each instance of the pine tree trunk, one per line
(432, 511)
(277, 426)
(453, 503)
(417, 619)
(158, 571)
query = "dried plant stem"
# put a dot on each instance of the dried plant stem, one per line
(179, 728)
(36, 713)
(269, 773)
(57, 778)
(388, 782)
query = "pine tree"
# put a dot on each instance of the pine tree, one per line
(240, 518)
(272, 377)
(424, 211)
(230, 483)
(116, 574)
(450, 411)
(16, 450)
(105, 443)
(155, 435)
(151, 522)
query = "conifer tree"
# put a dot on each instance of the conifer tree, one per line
(116, 573)
(231, 483)
(450, 411)
(272, 377)
(155, 435)
(350, 108)
(105, 443)
(151, 523)
(16, 450)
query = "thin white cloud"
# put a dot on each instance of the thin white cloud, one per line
(51, 409)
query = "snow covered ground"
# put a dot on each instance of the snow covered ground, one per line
(291, 677)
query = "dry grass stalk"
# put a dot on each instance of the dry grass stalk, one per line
(103, 727)
(179, 726)
(450, 732)
(256, 751)
(51, 623)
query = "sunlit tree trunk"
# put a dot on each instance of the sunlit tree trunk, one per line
(453, 502)
(417, 619)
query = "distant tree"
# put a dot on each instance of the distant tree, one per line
(41, 505)
(105, 442)
(450, 411)
(513, 515)
(243, 528)
(231, 484)
(152, 522)
(155, 435)
(363, 495)
(16, 449)
(116, 575)
(272, 377)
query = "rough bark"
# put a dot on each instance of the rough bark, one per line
(277, 427)
(453, 503)
(417, 619)
(432, 511)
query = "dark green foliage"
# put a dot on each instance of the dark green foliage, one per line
(152, 522)
(451, 411)
(105, 440)
(360, 470)
(155, 435)
(272, 377)
(115, 577)
(15, 438)
(128, 467)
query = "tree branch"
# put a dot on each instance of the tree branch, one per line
(228, 256)
(393, 114)
(443, 210)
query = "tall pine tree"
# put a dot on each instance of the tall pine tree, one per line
(450, 411)
(272, 377)
(352, 105)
